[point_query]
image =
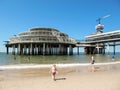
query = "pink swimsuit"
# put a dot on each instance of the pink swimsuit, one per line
(53, 70)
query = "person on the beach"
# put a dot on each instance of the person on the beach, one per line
(92, 63)
(53, 71)
(92, 60)
(113, 58)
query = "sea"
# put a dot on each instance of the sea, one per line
(9, 59)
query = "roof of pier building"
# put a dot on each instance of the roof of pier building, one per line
(104, 36)
(48, 29)
(40, 35)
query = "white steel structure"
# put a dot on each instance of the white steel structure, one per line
(41, 41)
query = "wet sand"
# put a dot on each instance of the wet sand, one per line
(105, 77)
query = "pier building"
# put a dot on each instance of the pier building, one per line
(97, 43)
(100, 41)
(41, 41)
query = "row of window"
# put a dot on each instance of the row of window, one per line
(104, 38)
(39, 39)
(39, 33)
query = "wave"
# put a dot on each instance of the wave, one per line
(33, 66)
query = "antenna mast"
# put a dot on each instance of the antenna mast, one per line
(100, 27)
(99, 19)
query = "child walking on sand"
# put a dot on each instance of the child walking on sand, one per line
(53, 71)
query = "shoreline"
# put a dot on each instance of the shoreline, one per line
(73, 77)
(37, 66)
(43, 70)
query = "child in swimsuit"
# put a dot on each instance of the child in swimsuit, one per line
(53, 71)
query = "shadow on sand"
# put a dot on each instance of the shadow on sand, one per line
(60, 79)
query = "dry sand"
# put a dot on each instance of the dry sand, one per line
(71, 78)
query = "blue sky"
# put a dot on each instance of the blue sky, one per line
(77, 18)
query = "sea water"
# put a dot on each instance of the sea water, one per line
(9, 59)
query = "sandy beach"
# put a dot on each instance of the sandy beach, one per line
(105, 77)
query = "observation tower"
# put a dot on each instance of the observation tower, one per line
(99, 27)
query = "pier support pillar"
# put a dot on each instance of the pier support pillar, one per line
(108, 47)
(98, 49)
(47, 49)
(70, 50)
(78, 50)
(13, 49)
(25, 50)
(31, 49)
(114, 47)
(7, 49)
(103, 49)
(43, 48)
(59, 49)
(19, 49)
(50, 49)
(36, 49)
(65, 50)
(39, 49)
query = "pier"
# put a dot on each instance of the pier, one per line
(49, 41)
(97, 43)
(41, 41)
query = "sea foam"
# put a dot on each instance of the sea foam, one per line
(33, 66)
